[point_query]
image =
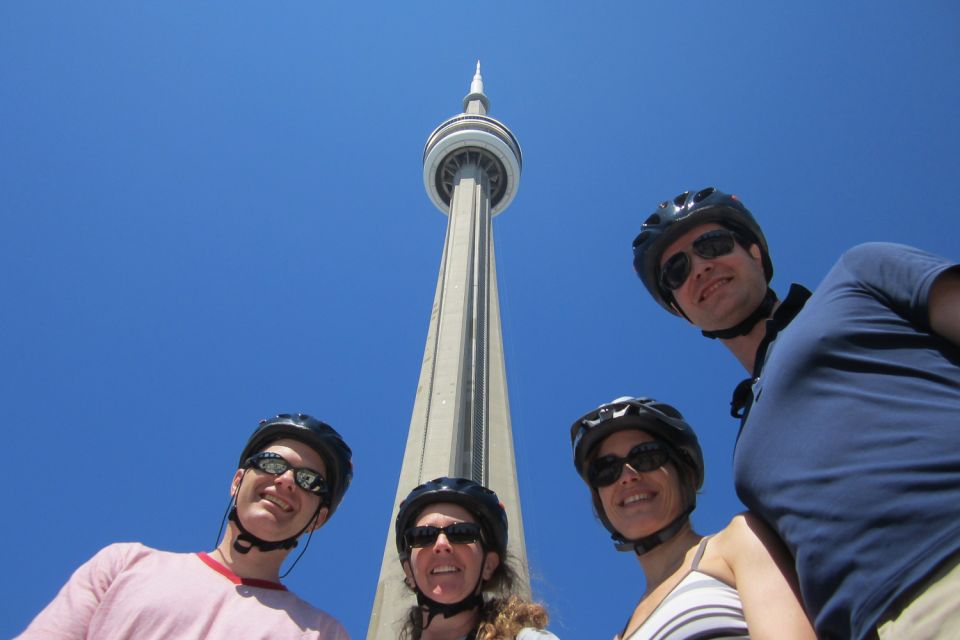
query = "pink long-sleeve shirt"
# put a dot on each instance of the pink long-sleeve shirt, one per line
(128, 590)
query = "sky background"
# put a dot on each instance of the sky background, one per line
(213, 212)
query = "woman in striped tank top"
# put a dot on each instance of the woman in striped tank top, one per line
(643, 465)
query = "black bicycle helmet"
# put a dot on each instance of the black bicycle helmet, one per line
(318, 435)
(675, 217)
(472, 496)
(661, 421)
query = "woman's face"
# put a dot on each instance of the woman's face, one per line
(639, 503)
(443, 571)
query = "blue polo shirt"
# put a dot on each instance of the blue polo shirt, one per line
(851, 445)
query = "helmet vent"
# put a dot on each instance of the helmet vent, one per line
(640, 239)
(681, 199)
(654, 219)
(703, 194)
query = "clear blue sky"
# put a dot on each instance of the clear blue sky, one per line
(214, 212)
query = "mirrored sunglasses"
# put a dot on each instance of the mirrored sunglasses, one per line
(275, 464)
(710, 245)
(456, 533)
(646, 456)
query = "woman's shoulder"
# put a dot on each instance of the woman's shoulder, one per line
(740, 540)
(748, 542)
(744, 529)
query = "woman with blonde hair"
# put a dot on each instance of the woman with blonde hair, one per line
(451, 538)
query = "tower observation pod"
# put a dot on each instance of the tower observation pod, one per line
(461, 417)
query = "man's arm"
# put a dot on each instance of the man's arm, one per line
(944, 305)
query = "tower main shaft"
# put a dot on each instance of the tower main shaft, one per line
(461, 418)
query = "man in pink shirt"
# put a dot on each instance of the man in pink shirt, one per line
(292, 475)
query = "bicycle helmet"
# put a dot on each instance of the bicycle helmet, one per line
(673, 218)
(472, 496)
(661, 421)
(321, 437)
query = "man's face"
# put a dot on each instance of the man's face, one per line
(274, 507)
(719, 292)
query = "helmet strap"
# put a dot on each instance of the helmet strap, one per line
(643, 545)
(745, 326)
(246, 540)
(433, 608)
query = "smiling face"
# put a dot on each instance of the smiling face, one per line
(446, 572)
(721, 291)
(639, 504)
(275, 507)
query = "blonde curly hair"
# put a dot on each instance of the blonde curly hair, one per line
(505, 617)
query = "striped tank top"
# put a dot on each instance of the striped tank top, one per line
(699, 607)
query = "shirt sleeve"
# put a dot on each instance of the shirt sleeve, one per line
(68, 615)
(897, 275)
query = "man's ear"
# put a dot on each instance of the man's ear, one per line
(235, 483)
(490, 563)
(756, 254)
(321, 518)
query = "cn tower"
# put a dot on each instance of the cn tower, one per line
(461, 416)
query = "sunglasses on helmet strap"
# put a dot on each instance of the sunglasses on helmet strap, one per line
(710, 245)
(275, 464)
(646, 456)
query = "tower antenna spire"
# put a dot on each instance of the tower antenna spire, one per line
(476, 101)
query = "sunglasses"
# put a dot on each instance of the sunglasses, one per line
(712, 244)
(456, 533)
(274, 463)
(646, 456)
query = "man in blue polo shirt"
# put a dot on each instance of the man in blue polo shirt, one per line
(850, 440)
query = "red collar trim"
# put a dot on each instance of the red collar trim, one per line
(235, 579)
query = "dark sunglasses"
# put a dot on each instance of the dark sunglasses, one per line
(274, 463)
(456, 533)
(646, 456)
(712, 244)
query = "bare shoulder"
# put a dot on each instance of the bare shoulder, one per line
(748, 540)
(746, 537)
(737, 532)
(724, 548)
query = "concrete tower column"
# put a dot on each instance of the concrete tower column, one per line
(461, 416)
